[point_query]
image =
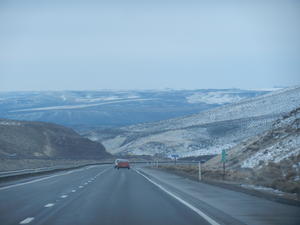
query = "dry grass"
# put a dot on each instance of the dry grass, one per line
(268, 178)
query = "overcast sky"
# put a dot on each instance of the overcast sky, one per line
(90, 45)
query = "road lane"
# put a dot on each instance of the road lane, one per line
(122, 197)
(103, 195)
(100, 195)
(27, 198)
(227, 206)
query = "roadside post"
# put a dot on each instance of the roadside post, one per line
(223, 160)
(175, 158)
(199, 167)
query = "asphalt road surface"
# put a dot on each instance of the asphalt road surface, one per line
(101, 195)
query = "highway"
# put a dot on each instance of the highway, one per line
(97, 195)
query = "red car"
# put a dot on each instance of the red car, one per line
(122, 163)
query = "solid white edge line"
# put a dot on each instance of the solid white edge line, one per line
(27, 220)
(199, 212)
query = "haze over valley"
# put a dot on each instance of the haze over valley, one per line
(109, 108)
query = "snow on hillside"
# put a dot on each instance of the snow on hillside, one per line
(214, 98)
(273, 104)
(275, 153)
(270, 159)
(208, 132)
(207, 139)
(90, 99)
(285, 144)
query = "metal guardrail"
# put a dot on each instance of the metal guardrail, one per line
(10, 175)
(28, 171)
(37, 171)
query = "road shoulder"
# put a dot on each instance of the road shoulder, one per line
(224, 204)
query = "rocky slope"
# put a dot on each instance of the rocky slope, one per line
(38, 140)
(271, 159)
(205, 133)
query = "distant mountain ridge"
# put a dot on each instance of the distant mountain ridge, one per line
(204, 133)
(38, 140)
(84, 110)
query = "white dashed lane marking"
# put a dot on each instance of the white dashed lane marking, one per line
(48, 177)
(27, 220)
(49, 205)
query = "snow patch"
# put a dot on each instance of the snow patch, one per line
(274, 153)
(90, 99)
(214, 98)
(63, 97)
(10, 123)
(261, 188)
(297, 178)
(214, 150)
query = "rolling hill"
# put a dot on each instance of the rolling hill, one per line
(38, 140)
(205, 133)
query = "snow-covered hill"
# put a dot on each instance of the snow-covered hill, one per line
(271, 159)
(207, 132)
